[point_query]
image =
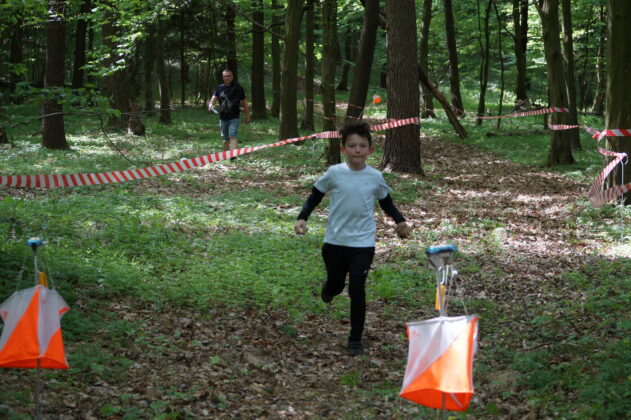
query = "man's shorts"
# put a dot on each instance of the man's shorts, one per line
(229, 128)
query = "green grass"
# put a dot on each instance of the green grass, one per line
(221, 237)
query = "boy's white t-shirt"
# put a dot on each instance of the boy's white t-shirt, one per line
(352, 197)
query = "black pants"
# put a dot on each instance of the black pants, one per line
(342, 260)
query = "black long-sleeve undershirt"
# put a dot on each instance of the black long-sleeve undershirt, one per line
(316, 196)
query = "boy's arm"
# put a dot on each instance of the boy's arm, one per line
(314, 199)
(402, 228)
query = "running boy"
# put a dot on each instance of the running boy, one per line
(349, 243)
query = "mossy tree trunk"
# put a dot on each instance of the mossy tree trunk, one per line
(402, 151)
(560, 140)
(53, 130)
(329, 32)
(289, 67)
(618, 109)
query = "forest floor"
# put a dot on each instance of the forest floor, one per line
(223, 363)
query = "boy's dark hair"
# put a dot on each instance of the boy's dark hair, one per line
(361, 128)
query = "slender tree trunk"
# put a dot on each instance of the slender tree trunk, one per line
(570, 72)
(117, 82)
(618, 112)
(451, 115)
(231, 38)
(275, 62)
(257, 77)
(289, 67)
(90, 76)
(184, 67)
(361, 72)
(454, 73)
(53, 130)
(329, 33)
(402, 151)
(560, 141)
(149, 63)
(520, 54)
(349, 57)
(427, 103)
(16, 54)
(601, 79)
(165, 96)
(485, 48)
(307, 119)
(501, 54)
(80, 42)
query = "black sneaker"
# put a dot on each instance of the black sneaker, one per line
(355, 348)
(326, 298)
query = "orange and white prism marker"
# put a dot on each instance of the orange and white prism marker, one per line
(31, 337)
(376, 99)
(440, 362)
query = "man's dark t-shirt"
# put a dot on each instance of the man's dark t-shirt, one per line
(229, 100)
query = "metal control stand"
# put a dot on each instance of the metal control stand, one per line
(441, 257)
(34, 243)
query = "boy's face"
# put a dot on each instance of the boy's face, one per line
(357, 149)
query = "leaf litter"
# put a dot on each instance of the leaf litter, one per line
(514, 223)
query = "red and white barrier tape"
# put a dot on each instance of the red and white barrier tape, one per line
(600, 198)
(596, 197)
(541, 111)
(78, 180)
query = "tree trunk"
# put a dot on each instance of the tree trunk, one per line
(257, 77)
(4, 139)
(520, 54)
(80, 43)
(570, 72)
(16, 54)
(427, 103)
(361, 72)
(349, 57)
(53, 130)
(289, 67)
(501, 54)
(453, 118)
(165, 96)
(231, 38)
(560, 144)
(117, 82)
(618, 112)
(184, 67)
(402, 151)
(329, 44)
(485, 48)
(601, 78)
(149, 63)
(307, 119)
(454, 73)
(275, 61)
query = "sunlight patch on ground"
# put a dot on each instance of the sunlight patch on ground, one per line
(619, 250)
(526, 198)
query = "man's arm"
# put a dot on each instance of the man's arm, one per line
(212, 102)
(246, 108)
